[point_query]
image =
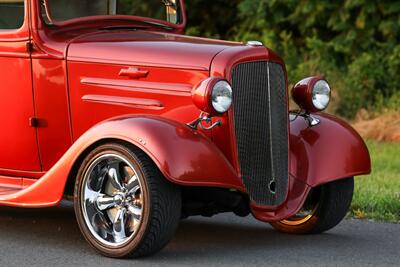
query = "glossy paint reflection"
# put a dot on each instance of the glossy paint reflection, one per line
(329, 151)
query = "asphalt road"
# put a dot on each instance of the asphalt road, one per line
(50, 237)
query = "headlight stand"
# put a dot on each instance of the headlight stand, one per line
(310, 119)
(203, 118)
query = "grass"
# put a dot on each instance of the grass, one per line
(377, 196)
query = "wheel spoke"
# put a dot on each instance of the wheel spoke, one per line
(133, 183)
(132, 191)
(97, 178)
(101, 171)
(115, 177)
(105, 202)
(136, 212)
(97, 219)
(119, 226)
(112, 201)
(91, 195)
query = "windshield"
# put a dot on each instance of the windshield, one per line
(63, 10)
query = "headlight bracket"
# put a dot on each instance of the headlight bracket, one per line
(310, 119)
(202, 120)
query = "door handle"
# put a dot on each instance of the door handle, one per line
(133, 73)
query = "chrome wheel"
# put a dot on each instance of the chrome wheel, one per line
(301, 217)
(308, 211)
(112, 200)
(325, 207)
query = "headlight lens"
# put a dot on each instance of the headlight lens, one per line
(321, 95)
(222, 96)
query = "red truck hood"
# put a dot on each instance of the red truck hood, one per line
(146, 49)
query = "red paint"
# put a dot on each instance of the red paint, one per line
(184, 156)
(326, 152)
(297, 193)
(134, 73)
(144, 48)
(302, 93)
(51, 104)
(16, 104)
(202, 94)
(99, 92)
(11, 182)
(81, 85)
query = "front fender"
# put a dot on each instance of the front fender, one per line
(183, 155)
(329, 151)
(321, 154)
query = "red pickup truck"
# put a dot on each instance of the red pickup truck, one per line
(108, 103)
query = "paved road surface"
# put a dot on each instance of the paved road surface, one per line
(50, 237)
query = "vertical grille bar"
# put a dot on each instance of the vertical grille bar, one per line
(261, 126)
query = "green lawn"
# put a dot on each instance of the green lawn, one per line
(377, 196)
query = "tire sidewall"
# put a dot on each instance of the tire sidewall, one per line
(318, 222)
(126, 249)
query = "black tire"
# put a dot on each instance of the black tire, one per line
(332, 202)
(161, 209)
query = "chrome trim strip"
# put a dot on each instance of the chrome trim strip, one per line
(270, 128)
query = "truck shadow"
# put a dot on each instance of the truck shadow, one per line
(196, 238)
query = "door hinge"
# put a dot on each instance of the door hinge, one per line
(33, 122)
(29, 47)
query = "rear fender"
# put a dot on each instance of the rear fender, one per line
(183, 155)
(327, 152)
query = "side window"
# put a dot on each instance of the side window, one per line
(12, 14)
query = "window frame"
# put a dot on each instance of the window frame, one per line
(177, 26)
(20, 34)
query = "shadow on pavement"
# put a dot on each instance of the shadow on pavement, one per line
(196, 238)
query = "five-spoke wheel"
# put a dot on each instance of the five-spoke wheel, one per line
(112, 200)
(124, 206)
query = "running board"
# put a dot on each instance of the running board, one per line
(45, 192)
(12, 185)
(8, 190)
(27, 193)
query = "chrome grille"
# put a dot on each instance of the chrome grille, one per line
(261, 125)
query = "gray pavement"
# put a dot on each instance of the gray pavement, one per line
(50, 237)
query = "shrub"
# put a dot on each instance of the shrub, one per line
(354, 43)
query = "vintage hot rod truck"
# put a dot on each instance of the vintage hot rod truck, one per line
(108, 103)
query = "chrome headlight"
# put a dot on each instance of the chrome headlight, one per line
(221, 96)
(312, 94)
(321, 95)
(213, 96)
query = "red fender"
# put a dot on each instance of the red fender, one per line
(321, 154)
(330, 151)
(184, 156)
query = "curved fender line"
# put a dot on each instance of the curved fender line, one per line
(183, 155)
(298, 192)
(327, 152)
(330, 151)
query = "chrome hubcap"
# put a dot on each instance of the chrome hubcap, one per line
(112, 200)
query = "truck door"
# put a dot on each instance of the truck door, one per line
(18, 141)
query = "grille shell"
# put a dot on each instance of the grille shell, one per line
(261, 126)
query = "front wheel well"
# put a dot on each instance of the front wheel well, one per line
(70, 185)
